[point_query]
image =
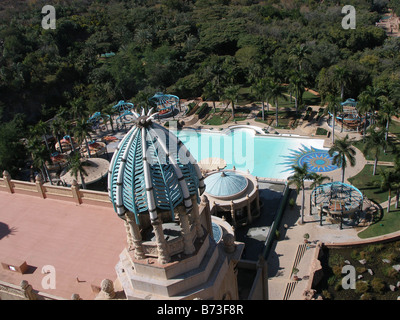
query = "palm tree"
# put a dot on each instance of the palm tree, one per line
(367, 103)
(232, 94)
(210, 92)
(298, 81)
(78, 108)
(332, 107)
(55, 128)
(299, 54)
(341, 75)
(300, 175)
(317, 179)
(262, 92)
(41, 128)
(76, 166)
(110, 112)
(388, 178)
(386, 112)
(40, 156)
(375, 143)
(82, 130)
(342, 152)
(277, 91)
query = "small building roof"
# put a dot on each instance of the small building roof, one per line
(225, 184)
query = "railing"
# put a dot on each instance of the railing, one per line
(10, 291)
(37, 188)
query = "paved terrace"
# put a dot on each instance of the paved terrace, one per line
(82, 242)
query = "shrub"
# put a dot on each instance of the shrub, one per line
(321, 132)
(355, 255)
(326, 294)
(362, 286)
(292, 202)
(378, 285)
(337, 271)
(331, 280)
(390, 272)
(361, 269)
(336, 260)
(375, 247)
(338, 286)
(366, 296)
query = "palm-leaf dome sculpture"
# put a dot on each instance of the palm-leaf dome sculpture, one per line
(152, 175)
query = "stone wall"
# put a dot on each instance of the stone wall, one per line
(45, 191)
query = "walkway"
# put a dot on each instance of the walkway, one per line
(291, 251)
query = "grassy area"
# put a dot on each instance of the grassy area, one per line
(389, 222)
(310, 99)
(374, 286)
(394, 128)
(321, 132)
(364, 181)
(388, 156)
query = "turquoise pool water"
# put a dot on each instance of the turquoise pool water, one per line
(263, 156)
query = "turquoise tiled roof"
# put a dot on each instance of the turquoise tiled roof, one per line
(152, 169)
(225, 184)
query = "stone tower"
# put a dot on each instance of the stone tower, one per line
(155, 186)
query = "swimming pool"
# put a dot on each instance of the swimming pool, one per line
(263, 156)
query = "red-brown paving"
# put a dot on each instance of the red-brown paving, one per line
(82, 242)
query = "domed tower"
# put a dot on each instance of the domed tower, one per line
(155, 186)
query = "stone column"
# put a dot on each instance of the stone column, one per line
(249, 217)
(196, 216)
(187, 239)
(75, 192)
(135, 236)
(39, 186)
(129, 238)
(207, 214)
(28, 290)
(233, 213)
(163, 254)
(7, 181)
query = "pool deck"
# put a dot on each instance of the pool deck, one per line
(291, 250)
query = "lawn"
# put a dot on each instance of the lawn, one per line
(388, 223)
(364, 181)
(388, 156)
(215, 119)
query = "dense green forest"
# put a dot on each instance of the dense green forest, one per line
(189, 48)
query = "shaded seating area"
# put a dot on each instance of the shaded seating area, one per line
(338, 202)
(349, 117)
(164, 104)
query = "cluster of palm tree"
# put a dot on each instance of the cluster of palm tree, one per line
(266, 86)
(379, 105)
(270, 87)
(390, 181)
(300, 175)
(342, 153)
(72, 121)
